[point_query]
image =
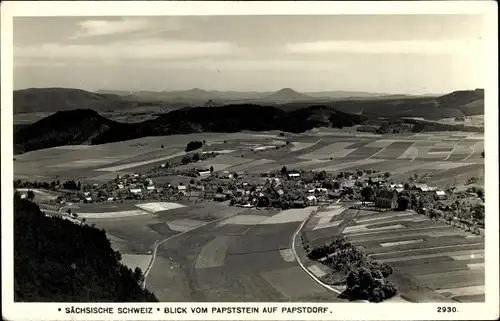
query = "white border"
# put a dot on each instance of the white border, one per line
(349, 311)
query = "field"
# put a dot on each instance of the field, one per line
(433, 261)
(447, 158)
(207, 252)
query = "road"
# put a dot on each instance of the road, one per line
(234, 263)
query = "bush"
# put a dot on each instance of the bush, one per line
(193, 145)
(403, 203)
(363, 284)
(319, 252)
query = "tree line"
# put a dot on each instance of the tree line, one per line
(69, 184)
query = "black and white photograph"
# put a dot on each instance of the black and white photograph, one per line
(327, 158)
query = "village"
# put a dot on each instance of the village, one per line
(282, 189)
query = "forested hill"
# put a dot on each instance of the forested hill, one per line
(56, 260)
(75, 127)
(59, 99)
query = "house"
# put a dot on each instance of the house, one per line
(240, 192)
(281, 193)
(110, 199)
(348, 184)
(120, 186)
(151, 188)
(376, 180)
(387, 199)
(88, 199)
(135, 191)
(421, 187)
(194, 194)
(181, 188)
(311, 199)
(226, 174)
(399, 189)
(321, 190)
(440, 195)
(204, 173)
(299, 204)
(293, 175)
(219, 197)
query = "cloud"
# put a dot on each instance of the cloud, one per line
(137, 49)
(250, 65)
(93, 28)
(450, 47)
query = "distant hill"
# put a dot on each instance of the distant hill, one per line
(56, 260)
(456, 104)
(286, 95)
(470, 102)
(59, 99)
(71, 127)
(198, 95)
(342, 94)
(88, 127)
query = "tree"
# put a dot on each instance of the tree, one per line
(367, 193)
(403, 203)
(193, 145)
(211, 169)
(17, 196)
(386, 270)
(162, 146)
(482, 154)
(263, 201)
(138, 276)
(220, 190)
(235, 175)
(321, 176)
(185, 160)
(191, 181)
(79, 186)
(336, 185)
(406, 186)
(387, 174)
(284, 170)
(480, 193)
(31, 195)
(196, 157)
(478, 213)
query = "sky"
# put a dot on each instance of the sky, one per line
(412, 54)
